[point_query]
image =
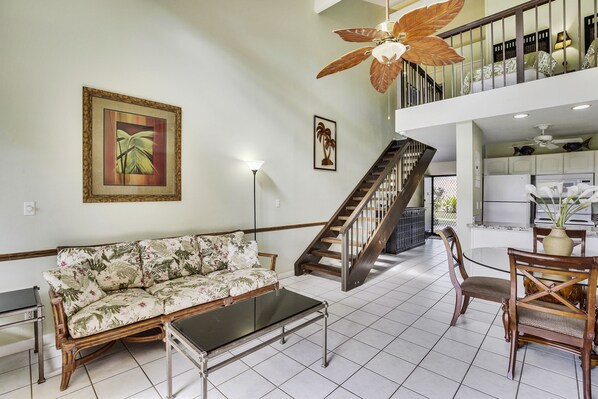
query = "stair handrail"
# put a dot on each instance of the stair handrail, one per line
(372, 191)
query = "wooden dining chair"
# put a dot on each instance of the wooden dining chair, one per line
(487, 288)
(561, 325)
(578, 237)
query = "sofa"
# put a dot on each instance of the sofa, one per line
(130, 290)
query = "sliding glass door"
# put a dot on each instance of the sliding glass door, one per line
(440, 201)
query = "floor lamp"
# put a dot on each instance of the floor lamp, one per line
(254, 166)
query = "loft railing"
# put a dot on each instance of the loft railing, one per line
(357, 232)
(521, 35)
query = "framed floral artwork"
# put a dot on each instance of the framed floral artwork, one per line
(131, 149)
(324, 143)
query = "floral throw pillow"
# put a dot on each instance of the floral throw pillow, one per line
(243, 256)
(215, 252)
(118, 267)
(76, 285)
(169, 258)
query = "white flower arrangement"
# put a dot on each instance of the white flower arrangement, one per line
(578, 197)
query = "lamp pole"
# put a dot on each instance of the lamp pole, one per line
(254, 212)
(254, 166)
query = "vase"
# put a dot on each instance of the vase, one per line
(558, 243)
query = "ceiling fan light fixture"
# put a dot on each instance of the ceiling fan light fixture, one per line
(520, 116)
(580, 107)
(389, 51)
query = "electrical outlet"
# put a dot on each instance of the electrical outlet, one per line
(29, 315)
(29, 208)
(277, 203)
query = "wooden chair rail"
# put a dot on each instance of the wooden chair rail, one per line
(42, 253)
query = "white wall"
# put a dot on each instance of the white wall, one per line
(244, 75)
(442, 168)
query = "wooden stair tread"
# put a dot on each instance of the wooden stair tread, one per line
(327, 269)
(326, 253)
(334, 240)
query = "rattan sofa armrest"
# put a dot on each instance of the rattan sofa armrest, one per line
(272, 259)
(60, 318)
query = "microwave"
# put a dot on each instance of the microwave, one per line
(567, 180)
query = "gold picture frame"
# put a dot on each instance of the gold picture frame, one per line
(131, 148)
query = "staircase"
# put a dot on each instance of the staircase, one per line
(352, 240)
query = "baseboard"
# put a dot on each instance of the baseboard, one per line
(286, 274)
(26, 344)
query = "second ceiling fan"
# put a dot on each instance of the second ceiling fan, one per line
(408, 39)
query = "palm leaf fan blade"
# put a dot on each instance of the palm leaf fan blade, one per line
(347, 61)
(425, 21)
(431, 51)
(360, 35)
(383, 74)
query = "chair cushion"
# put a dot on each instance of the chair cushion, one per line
(245, 280)
(243, 256)
(498, 287)
(118, 308)
(188, 291)
(215, 250)
(560, 324)
(118, 267)
(169, 258)
(76, 285)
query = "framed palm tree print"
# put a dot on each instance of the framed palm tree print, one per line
(324, 143)
(131, 148)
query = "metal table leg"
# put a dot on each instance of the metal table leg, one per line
(283, 339)
(204, 377)
(325, 337)
(39, 343)
(168, 363)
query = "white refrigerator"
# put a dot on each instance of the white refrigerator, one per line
(505, 199)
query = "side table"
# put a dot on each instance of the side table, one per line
(27, 303)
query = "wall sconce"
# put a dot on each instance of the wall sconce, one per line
(562, 40)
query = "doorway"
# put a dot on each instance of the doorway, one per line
(440, 202)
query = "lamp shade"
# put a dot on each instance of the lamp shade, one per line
(254, 165)
(562, 40)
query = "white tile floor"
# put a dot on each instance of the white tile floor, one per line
(389, 338)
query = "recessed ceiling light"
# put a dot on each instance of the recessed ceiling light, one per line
(520, 116)
(581, 106)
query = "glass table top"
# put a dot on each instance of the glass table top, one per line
(497, 258)
(16, 300)
(216, 328)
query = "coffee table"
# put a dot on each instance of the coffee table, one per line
(204, 336)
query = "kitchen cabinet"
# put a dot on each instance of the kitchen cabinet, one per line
(579, 162)
(496, 166)
(409, 232)
(522, 165)
(549, 164)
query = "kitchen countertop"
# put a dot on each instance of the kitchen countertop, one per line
(515, 227)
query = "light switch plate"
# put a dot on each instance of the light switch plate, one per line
(29, 208)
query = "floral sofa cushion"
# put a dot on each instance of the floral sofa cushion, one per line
(188, 291)
(76, 285)
(76, 255)
(118, 266)
(245, 280)
(118, 308)
(215, 250)
(243, 256)
(169, 258)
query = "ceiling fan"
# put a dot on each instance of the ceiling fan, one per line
(408, 39)
(546, 141)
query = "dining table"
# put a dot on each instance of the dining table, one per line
(497, 258)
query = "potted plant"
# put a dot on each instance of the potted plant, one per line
(560, 209)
